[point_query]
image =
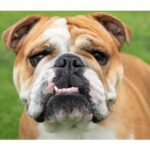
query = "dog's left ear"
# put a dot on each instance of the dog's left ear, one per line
(15, 34)
(115, 27)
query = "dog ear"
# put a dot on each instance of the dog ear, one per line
(115, 27)
(14, 35)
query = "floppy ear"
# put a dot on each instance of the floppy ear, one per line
(14, 35)
(115, 27)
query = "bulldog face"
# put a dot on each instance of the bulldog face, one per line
(67, 68)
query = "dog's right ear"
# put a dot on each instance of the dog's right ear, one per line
(15, 34)
(117, 29)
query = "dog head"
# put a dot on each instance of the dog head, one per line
(67, 68)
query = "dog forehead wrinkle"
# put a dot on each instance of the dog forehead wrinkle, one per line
(83, 42)
(58, 34)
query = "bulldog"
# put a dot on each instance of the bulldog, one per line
(73, 80)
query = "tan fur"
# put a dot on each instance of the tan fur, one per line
(131, 113)
(27, 129)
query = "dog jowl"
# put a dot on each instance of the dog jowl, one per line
(69, 72)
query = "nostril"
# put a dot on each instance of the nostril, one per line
(61, 63)
(77, 63)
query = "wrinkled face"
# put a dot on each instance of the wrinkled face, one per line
(68, 69)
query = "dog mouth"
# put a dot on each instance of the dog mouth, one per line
(68, 103)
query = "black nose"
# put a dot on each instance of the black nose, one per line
(69, 61)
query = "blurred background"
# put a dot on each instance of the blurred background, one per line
(10, 105)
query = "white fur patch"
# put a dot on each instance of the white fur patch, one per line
(58, 35)
(35, 106)
(97, 93)
(82, 131)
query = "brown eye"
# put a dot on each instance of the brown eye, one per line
(35, 59)
(101, 57)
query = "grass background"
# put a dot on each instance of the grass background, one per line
(10, 105)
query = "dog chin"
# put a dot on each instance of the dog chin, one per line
(67, 107)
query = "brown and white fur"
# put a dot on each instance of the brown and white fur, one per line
(119, 90)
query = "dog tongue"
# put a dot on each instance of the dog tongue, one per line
(66, 90)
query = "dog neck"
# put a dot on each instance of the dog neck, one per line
(80, 131)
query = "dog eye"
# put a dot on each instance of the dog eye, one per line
(35, 59)
(101, 57)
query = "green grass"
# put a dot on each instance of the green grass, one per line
(10, 105)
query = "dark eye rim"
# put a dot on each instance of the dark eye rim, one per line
(32, 58)
(104, 57)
